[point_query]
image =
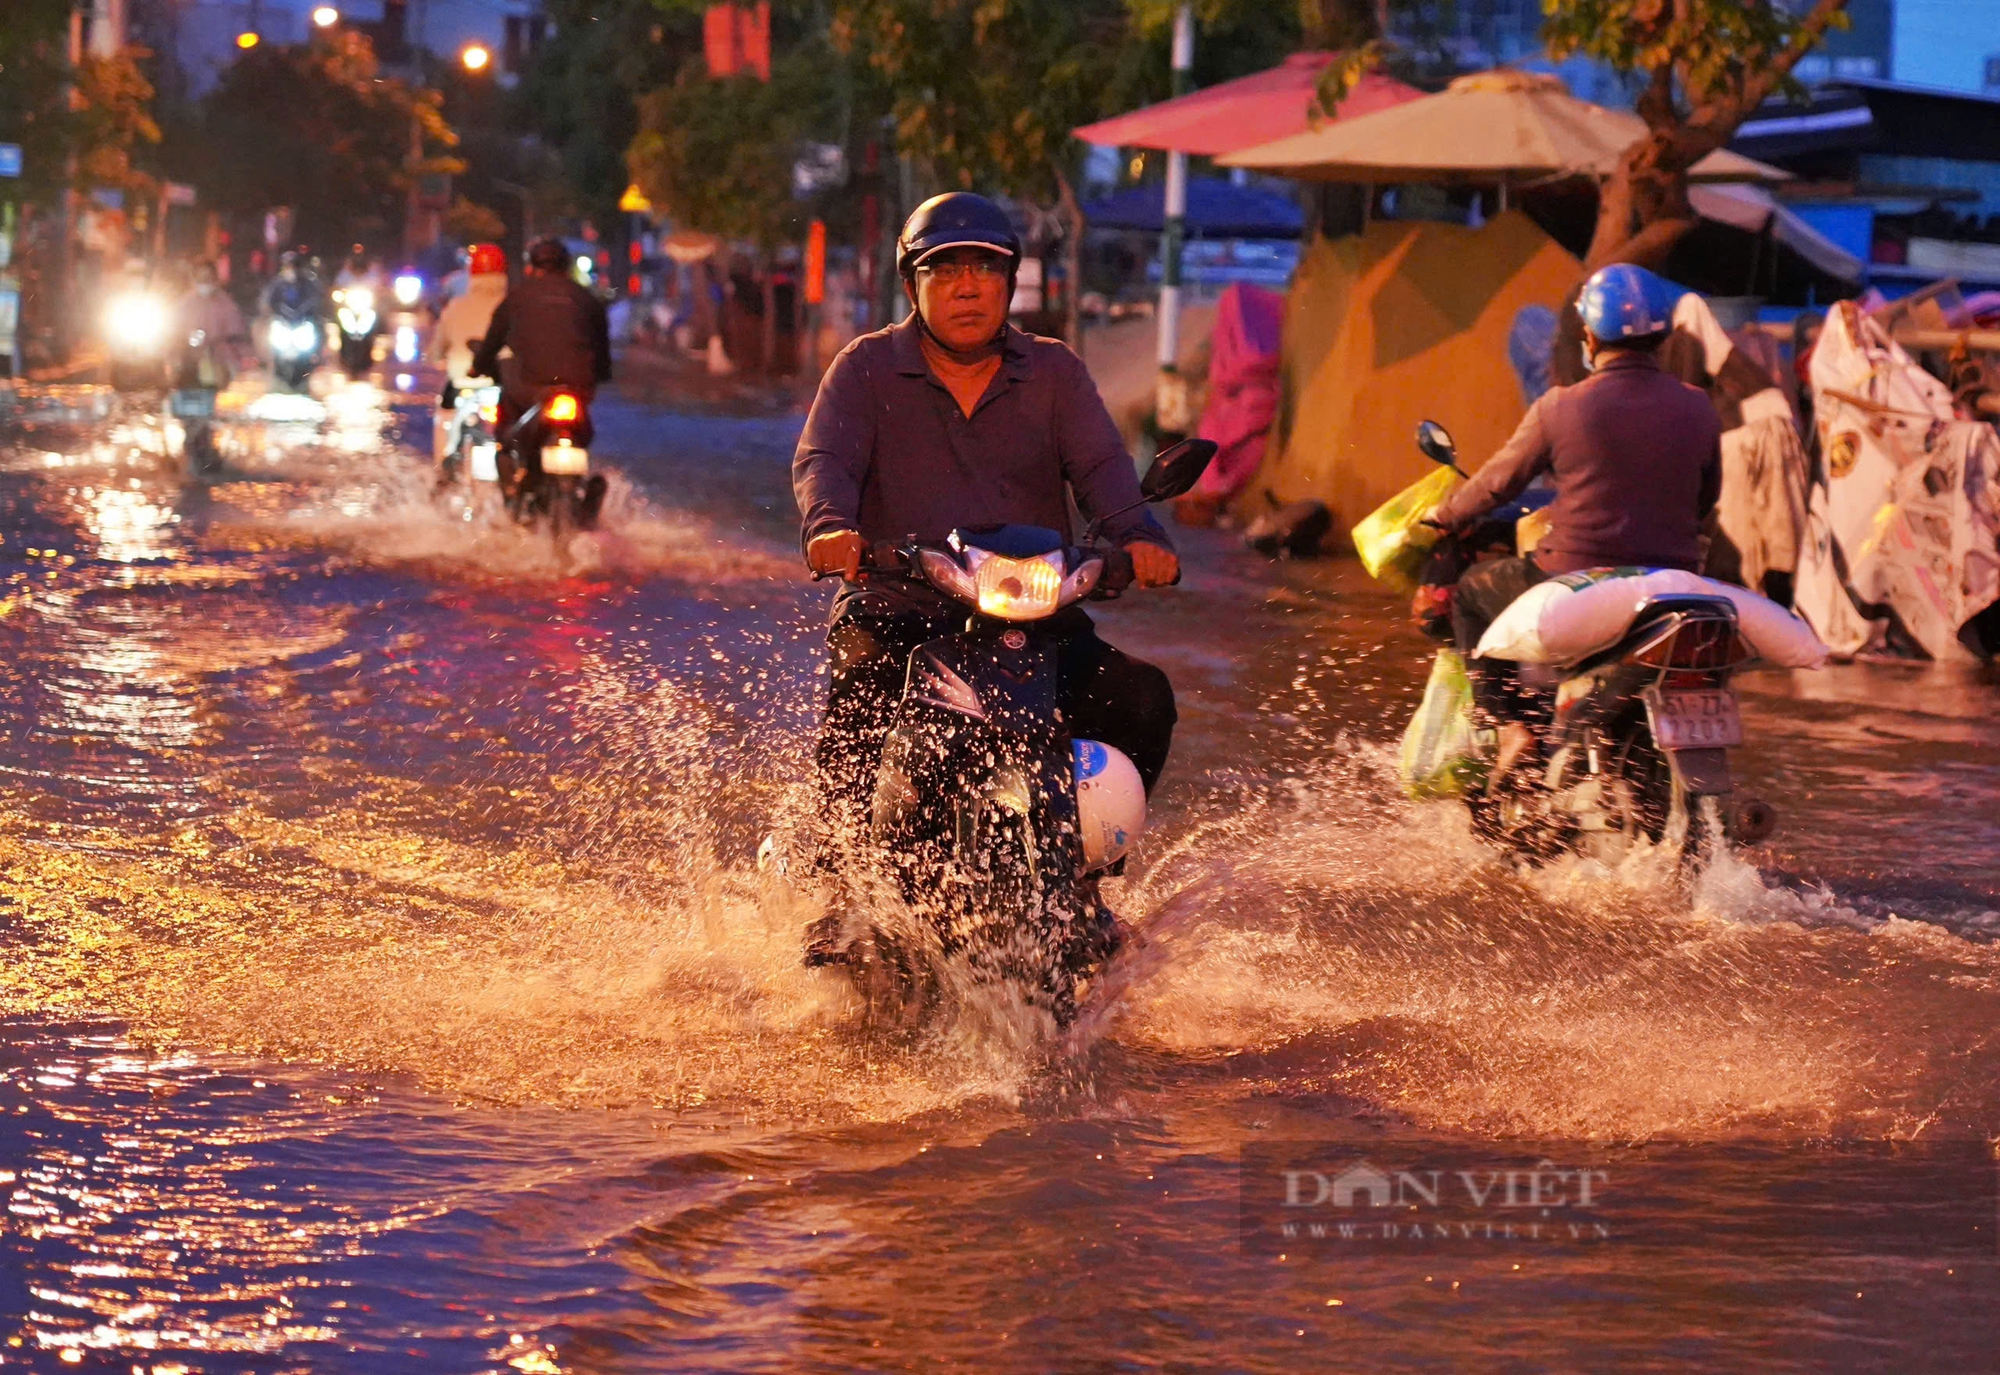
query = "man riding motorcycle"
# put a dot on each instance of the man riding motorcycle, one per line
(559, 336)
(1636, 459)
(954, 418)
(294, 291)
(461, 325)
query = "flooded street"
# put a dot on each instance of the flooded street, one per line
(389, 985)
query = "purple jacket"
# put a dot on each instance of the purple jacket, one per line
(886, 450)
(1637, 460)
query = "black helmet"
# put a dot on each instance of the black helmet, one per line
(957, 219)
(548, 254)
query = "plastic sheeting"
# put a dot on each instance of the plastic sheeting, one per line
(1242, 386)
(1904, 516)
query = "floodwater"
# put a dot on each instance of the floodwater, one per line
(388, 984)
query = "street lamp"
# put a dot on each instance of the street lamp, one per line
(475, 57)
(325, 17)
(247, 40)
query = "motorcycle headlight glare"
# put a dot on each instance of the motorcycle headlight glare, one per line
(1019, 589)
(408, 288)
(138, 321)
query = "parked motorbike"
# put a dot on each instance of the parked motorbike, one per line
(1633, 740)
(136, 321)
(545, 465)
(990, 819)
(355, 315)
(295, 343)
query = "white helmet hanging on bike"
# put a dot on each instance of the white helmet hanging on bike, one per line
(1110, 803)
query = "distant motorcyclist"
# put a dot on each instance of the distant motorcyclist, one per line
(559, 336)
(207, 313)
(1636, 458)
(294, 294)
(358, 270)
(956, 418)
(464, 321)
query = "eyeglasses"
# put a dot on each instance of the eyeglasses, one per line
(979, 270)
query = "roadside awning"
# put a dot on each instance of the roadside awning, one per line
(1216, 208)
(1245, 112)
(1504, 126)
(1751, 209)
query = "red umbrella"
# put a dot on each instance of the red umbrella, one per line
(1245, 112)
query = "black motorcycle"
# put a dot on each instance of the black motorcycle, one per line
(1631, 740)
(357, 321)
(988, 818)
(294, 335)
(545, 465)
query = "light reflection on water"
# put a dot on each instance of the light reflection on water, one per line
(299, 770)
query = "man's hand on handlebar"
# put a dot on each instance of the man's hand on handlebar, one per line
(836, 551)
(1153, 565)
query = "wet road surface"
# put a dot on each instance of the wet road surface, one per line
(388, 984)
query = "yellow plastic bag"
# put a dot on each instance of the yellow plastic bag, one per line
(1392, 540)
(1440, 746)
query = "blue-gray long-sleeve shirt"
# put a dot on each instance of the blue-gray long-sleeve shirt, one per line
(887, 452)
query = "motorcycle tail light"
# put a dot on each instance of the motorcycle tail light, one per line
(562, 408)
(1694, 642)
(1019, 589)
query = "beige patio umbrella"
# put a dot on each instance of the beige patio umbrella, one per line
(1504, 126)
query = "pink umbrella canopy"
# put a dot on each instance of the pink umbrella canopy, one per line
(1245, 112)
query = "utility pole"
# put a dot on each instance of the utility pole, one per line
(1170, 400)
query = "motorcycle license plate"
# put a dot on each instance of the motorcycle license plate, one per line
(1701, 720)
(565, 460)
(486, 462)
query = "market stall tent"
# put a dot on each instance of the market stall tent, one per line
(1406, 321)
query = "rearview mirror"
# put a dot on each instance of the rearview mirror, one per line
(1435, 440)
(1177, 469)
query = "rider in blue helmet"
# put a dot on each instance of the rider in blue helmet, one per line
(1636, 459)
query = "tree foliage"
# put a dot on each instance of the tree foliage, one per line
(717, 153)
(1707, 65)
(986, 92)
(582, 94)
(317, 127)
(101, 129)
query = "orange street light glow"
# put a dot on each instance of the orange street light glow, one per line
(475, 58)
(247, 41)
(326, 16)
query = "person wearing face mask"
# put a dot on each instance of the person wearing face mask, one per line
(206, 312)
(1636, 458)
(955, 418)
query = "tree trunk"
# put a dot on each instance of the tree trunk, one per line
(769, 343)
(1073, 228)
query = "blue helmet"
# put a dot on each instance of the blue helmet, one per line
(1626, 302)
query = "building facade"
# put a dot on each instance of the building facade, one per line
(200, 38)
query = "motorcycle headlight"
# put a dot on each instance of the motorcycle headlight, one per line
(1082, 582)
(943, 572)
(137, 321)
(408, 289)
(359, 298)
(1019, 589)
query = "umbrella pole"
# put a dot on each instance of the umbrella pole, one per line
(1170, 402)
